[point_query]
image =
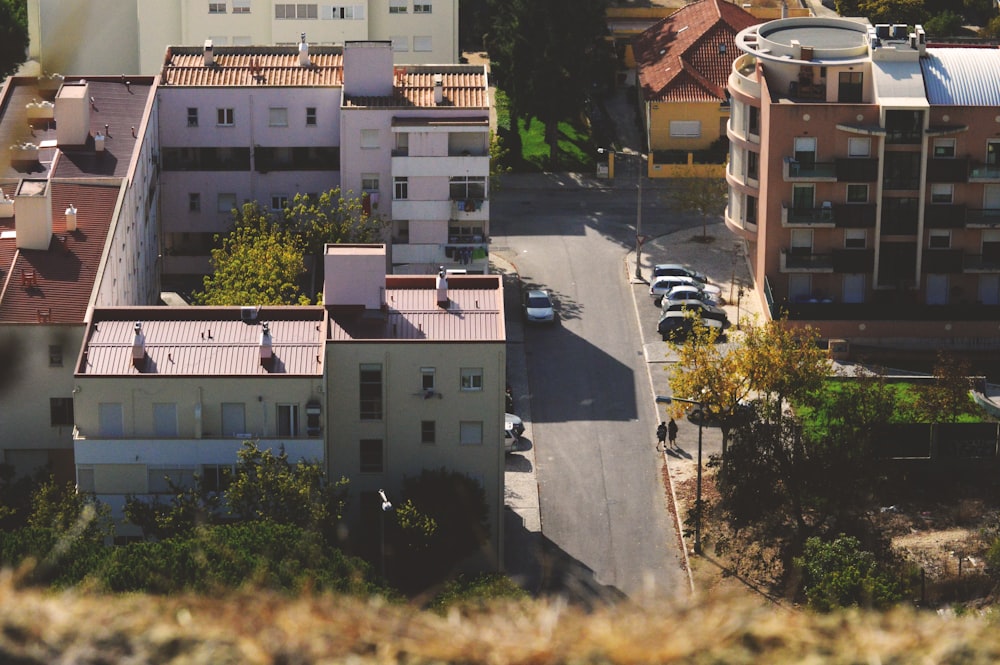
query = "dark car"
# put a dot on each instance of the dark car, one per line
(676, 326)
(702, 309)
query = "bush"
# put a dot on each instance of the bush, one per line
(476, 593)
(945, 24)
(839, 573)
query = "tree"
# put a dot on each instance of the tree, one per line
(61, 508)
(13, 36)
(945, 24)
(696, 193)
(910, 12)
(186, 509)
(258, 263)
(782, 362)
(331, 219)
(839, 573)
(991, 30)
(947, 397)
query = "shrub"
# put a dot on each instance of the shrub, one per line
(839, 573)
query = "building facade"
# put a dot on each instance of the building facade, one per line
(862, 176)
(73, 36)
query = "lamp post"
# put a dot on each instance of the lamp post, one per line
(386, 507)
(697, 502)
(638, 203)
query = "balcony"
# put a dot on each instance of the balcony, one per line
(442, 165)
(856, 169)
(796, 171)
(981, 263)
(854, 215)
(815, 217)
(984, 219)
(942, 261)
(948, 170)
(473, 257)
(470, 210)
(853, 260)
(416, 211)
(183, 450)
(945, 216)
(901, 183)
(743, 77)
(797, 259)
(888, 311)
(984, 173)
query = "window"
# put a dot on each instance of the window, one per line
(402, 144)
(369, 139)
(802, 241)
(855, 238)
(461, 188)
(470, 433)
(277, 116)
(371, 455)
(194, 202)
(850, 88)
(241, 6)
(397, 6)
(160, 478)
(216, 8)
(751, 209)
(803, 197)
(310, 116)
(753, 120)
(370, 391)
(685, 129)
(225, 117)
(753, 159)
(805, 151)
(85, 479)
(401, 231)
(400, 44)
(55, 355)
(328, 12)
(944, 148)
(165, 419)
(421, 8)
(218, 40)
(279, 201)
(859, 147)
(427, 378)
(939, 239)
(472, 378)
(428, 431)
(192, 116)
(242, 40)
(857, 193)
(369, 182)
(292, 11)
(225, 203)
(942, 192)
(422, 44)
(400, 187)
(234, 420)
(216, 477)
(110, 420)
(61, 410)
(288, 420)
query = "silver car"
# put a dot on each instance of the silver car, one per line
(685, 293)
(662, 285)
(538, 307)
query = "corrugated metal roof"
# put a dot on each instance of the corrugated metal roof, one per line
(205, 341)
(474, 313)
(962, 76)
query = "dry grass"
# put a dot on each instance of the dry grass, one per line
(265, 629)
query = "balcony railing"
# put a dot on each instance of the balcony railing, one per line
(899, 225)
(988, 263)
(984, 173)
(944, 216)
(886, 311)
(799, 170)
(948, 170)
(942, 261)
(854, 215)
(857, 169)
(903, 136)
(823, 216)
(901, 182)
(853, 260)
(798, 260)
(989, 218)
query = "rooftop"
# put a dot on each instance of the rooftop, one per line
(474, 312)
(462, 86)
(962, 76)
(253, 66)
(205, 341)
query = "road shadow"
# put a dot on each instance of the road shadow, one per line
(518, 463)
(679, 453)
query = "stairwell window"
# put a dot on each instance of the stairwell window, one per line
(428, 432)
(944, 148)
(421, 8)
(194, 202)
(397, 6)
(216, 8)
(857, 193)
(472, 379)
(60, 411)
(225, 117)
(192, 116)
(400, 187)
(942, 192)
(310, 116)
(370, 391)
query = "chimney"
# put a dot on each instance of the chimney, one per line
(72, 113)
(33, 203)
(303, 52)
(138, 347)
(209, 57)
(71, 218)
(441, 285)
(266, 353)
(438, 88)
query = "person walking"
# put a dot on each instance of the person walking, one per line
(661, 436)
(672, 434)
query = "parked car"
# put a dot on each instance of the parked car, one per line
(678, 270)
(513, 428)
(682, 293)
(702, 309)
(538, 307)
(662, 285)
(675, 326)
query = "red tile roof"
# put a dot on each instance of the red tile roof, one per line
(688, 55)
(66, 272)
(463, 86)
(256, 66)
(474, 312)
(205, 341)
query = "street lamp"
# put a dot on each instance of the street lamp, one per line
(386, 507)
(661, 399)
(638, 204)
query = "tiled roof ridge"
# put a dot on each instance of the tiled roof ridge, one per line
(693, 72)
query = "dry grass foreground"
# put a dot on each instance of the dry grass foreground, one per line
(266, 629)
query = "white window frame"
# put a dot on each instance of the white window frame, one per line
(939, 239)
(398, 6)
(194, 202)
(227, 411)
(944, 148)
(216, 8)
(858, 146)
(855, 238)
(400, 43)
(279, 202)
(855, 186)
(311, 116)
(422, 44)
(470, 433)
(422, 8)
(427, 378)
(241, 6)
(287, 418)
(225, 117)
(400, 188)
(277, 116)
(369, 139)
(369, 182)
(432, 430)
(685, 129)
(192, 116)
(471, 379)
(942, 192)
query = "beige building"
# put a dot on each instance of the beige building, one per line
(131, 36)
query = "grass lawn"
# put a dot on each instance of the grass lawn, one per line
(906, 411)
(576, 150)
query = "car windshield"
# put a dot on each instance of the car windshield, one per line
(538, 302)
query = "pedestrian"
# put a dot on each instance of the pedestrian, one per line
(661, 436)
(672, 433)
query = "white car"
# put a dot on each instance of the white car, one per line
(513, 428)
(662, 285)
(680, 294)
(538, 307)
(678, 270)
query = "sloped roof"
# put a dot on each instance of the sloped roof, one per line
(688, 55)
(254, 66)
(65, 273)
(962, 76)
(205, 341)
(463, 86)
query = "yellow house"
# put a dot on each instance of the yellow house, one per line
(682, 66)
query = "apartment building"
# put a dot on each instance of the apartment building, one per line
(78, 230)
(264, 123)
(130, 36)
(864, 178)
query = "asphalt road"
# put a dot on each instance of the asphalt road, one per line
(606, 529)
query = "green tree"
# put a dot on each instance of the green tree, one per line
(332, 218)
(991, 30)
(910, 12)
(839, 573)
(13, 36)
(783, 362)
(945, 24)
(60, 507)
(700, 194)
(258, 263)
(947, 397)
(188, 507)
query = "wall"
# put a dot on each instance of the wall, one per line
(711, 115)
